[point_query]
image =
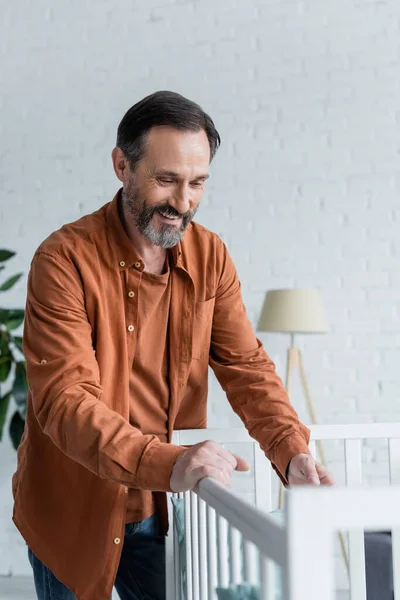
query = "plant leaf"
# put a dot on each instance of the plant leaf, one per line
(20, 388)
(5, 255)
(17, 340)
(12, 318)
(7, 285)
(16, 430)
(14, 323)
(11, 313)
(5, 366)
(4, 403)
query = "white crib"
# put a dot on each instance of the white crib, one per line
(228, 541)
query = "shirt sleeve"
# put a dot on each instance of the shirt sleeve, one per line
(65, 389)
(249, 379)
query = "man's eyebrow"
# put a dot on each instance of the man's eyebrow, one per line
(166, 173)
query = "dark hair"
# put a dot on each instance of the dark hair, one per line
(162, 108)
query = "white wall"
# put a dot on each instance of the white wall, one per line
(304, 189)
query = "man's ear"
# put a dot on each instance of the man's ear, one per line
(120, 164)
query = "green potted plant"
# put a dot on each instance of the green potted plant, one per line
(13, 384)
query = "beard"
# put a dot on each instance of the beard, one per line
(165, 236)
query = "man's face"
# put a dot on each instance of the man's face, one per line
(163, 193)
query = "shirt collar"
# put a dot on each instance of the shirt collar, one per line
(125, 254)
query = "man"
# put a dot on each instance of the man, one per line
(126, 309)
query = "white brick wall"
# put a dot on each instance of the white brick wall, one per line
(304, 189)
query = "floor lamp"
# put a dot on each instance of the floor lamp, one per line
(296, 311)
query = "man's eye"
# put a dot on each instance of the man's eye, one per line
(166, 181)
(197, 184)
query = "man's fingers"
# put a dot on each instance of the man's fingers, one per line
(241, 464)
(303, 469)
(236, 462)
(206, 459)
(214, 472)
(310, 472)
(324, 476)
(230, 458)
(312, 476)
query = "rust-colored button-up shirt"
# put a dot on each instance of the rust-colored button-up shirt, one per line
(79, 452)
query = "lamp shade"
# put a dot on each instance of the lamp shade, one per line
(293, 311)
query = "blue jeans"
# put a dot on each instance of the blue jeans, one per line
(141, 571)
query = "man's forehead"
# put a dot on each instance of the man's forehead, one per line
(178, 153)
(169, 140)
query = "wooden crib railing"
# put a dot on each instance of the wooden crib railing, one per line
(227, 542)
(313, 515)
(207, 532)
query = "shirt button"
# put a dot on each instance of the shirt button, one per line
(131, 294)
(126, 490)
(130, 328)
(122, 264)
(43, 361)
(117, 541)
(138, 264)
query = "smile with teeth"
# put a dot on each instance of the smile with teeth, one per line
(169, 217)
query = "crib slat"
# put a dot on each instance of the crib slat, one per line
(262, 480)
(212, 553)
(353, 462)
(203, 549)
(195, 544)
(177, 559)
(313, 450)
(267, 578)
(222, 539)
(250, 558)
(394, 461)
(235, 567)
(264, 595)
(188, 547)
(396, 562)
(394, 475)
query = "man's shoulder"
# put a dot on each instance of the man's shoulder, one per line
(206, 237)
(78, 237)
(203, 252)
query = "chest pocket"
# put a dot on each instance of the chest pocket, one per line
(202, 326)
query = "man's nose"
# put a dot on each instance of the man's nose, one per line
(181, 199)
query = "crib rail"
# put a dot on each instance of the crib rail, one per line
(217, 522)
(228, 542)
(223, 569)
(315, 514)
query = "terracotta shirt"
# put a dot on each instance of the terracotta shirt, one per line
(149, 379)
(79, 453)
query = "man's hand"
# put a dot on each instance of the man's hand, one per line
(303, 470)
(207, 459)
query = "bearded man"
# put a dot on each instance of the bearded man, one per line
(126, 309)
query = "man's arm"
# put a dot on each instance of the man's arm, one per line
(64, 383)
(248, 377)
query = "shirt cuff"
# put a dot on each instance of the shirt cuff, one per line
(156, 466)
(285, 451)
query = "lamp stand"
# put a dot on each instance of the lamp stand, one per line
(295, 360)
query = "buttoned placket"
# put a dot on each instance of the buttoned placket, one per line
(131, 277)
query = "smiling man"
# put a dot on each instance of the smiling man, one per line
(126, 309)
